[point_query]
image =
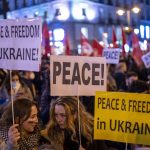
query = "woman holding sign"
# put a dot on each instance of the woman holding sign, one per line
(24, 133)
(63, 127)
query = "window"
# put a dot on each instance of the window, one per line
(84, 31)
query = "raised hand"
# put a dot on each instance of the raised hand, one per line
(13, 135)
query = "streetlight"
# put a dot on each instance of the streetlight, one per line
(135, 10)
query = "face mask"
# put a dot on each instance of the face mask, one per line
(16, 85)
(32, 76)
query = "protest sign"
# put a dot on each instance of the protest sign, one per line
(112, 55)
(77, 75)
(146, 60)
(20, 44)
(122, 117)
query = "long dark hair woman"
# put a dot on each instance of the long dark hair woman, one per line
(24, 134)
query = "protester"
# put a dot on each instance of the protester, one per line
(27, 77)
(119, 76)
(130, 77)
(24, 134)
(19, 88)
(63, 127)
(139, 86)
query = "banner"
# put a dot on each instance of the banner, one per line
(146, 60)
(20, 44)
(137, 52)
(112, 55)
(77, 75)
(97, 48)
(122, 117)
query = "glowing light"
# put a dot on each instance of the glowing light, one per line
(91, 14)
(84, 31)
(59, 34)
(117, 42)
(79, 49)
(58, 48)
(111, 45)
(36, 13)
(136, 31)
(136, 9)
(64, 13)
(105, 35)
(143, 45)
(77, 11)
(126, 47)
(126, 28)
(120, 12)
(142, 31)
(147, 32)
(101, 43)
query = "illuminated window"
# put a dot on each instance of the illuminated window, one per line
(79, 49)
(142, 31)
(62, 13)
(79, 11)
(59, 34)
(147, 32)
(136, 31)
(59, 49)
(84, 31)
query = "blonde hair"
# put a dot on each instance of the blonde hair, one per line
(71, 107)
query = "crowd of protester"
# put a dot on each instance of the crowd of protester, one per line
(52, 123)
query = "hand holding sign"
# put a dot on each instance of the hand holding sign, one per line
(13, 135)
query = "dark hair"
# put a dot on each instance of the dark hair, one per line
(6, 82)
(138, 86)
(22, 110)
(131, 73)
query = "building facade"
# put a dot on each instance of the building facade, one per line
(94, 18)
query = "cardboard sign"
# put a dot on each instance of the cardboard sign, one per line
(112, 55)
(122, 117)
(77, 75)
(20, 44)
(146, 60)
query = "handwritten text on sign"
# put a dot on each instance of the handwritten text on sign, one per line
(122, 117)
(20, 44)
(77, 75)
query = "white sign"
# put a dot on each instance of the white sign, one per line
(20, 44)
(146, 60)
(77, 75)
(112, 55)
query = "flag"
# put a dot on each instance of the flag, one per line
(137, 52)
(67, 46)
(123, 41)
(85, 46)
(97, 48)
(114, 38)
(105, 41)
(45, 38)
